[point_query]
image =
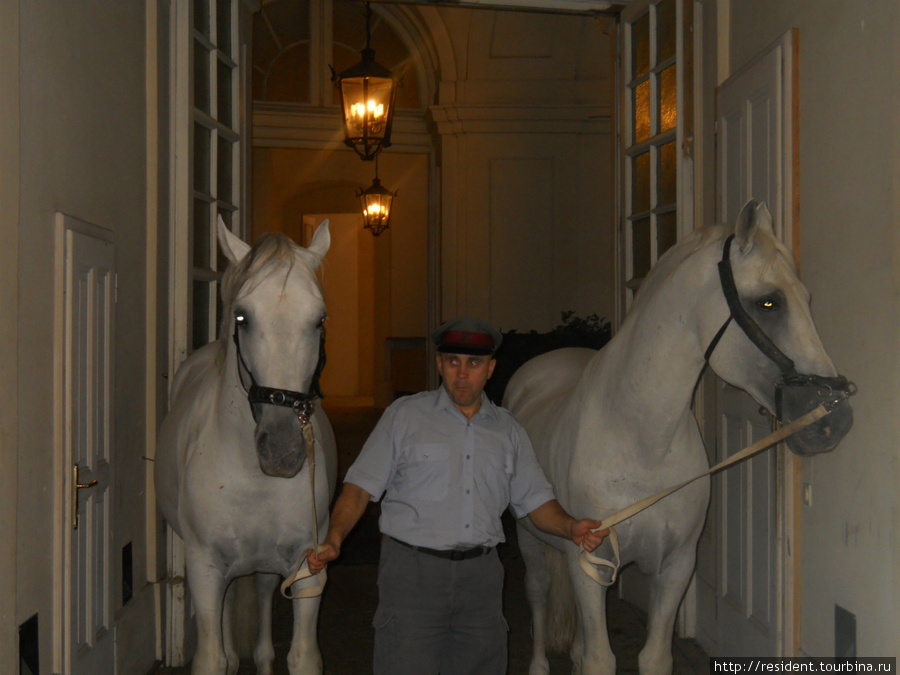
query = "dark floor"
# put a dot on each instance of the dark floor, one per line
(348, 604)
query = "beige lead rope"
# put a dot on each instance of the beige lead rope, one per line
(302, 570)
(588, 560)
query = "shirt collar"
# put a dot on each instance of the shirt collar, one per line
(487, 409)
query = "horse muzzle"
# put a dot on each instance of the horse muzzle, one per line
(797, 394)
(280, 442)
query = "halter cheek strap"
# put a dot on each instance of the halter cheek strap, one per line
(744, 320)
(302, 404)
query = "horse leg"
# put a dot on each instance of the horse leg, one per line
(207, 586)
(264, 652)
(304, 656)
(228, 628)
(596, 654)
(668, 588)
(537, 589)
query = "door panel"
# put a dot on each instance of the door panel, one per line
(748, 612)
(748, 596)
(88, 350)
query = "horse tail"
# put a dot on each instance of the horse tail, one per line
(561, 613)
(244, 615)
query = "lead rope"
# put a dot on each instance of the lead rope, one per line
(302, 569)
(589, 560)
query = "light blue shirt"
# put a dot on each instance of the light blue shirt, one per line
(446, 479)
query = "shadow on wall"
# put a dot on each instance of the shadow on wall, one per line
(592, 332)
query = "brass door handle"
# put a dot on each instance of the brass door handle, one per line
(76, 486)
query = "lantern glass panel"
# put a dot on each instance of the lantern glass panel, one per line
(367, 102)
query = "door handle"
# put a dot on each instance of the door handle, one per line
(76, 486)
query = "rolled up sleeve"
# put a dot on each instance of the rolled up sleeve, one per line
(529, 487)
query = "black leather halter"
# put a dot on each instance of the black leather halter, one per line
(830, 390)
(302, 404)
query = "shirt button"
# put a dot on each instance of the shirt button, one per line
(468, 456)
(467, 527)
(467, 492)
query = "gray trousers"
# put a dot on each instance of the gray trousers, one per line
(439, 616)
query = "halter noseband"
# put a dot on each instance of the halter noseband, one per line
(831, 390)
(302, 404)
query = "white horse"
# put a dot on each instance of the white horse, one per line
(232, 466)
(615, 426)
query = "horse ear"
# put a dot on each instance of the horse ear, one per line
(321, 240)
(754, 217)
(232, 246)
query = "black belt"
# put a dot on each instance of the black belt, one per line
(449, 554)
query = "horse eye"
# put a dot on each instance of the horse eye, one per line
(322, 321)
(240, 320)
(767, 304)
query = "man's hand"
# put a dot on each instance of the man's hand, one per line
(583, 533)
(347, 511)
(317, 561)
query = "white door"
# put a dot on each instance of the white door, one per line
(88, 453)
(755, 146)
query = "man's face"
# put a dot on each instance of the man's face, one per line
(464, 378)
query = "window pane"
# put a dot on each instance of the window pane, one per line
(201, 77)
(640, 46)
(668, 100)
(640, 183)
(288, 79)
(641, 120)
(223, 26)
(202, 146)
(224, 175)
(200, 322)
(640, 248)
(665, 30)
(666, 177)
(221, 260)
(223, 94)
(202, 235)
(201, 17)
(666, 233)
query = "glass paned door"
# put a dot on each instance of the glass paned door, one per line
(656, 66)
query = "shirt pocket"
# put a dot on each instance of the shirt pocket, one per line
(427, 472)
(496, 477)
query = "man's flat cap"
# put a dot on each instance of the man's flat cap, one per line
(467, 335)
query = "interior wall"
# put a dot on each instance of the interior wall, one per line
(289, 183)
(82, 137)
(9, 300)
(849, 59)
(527, 159)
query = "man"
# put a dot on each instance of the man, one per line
(449, 462)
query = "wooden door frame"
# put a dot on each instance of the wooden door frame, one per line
(789, 490)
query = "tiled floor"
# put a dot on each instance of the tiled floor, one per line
(345, 632)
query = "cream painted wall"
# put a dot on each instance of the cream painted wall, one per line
(291, 182)
(850, 261)
(82, 144)
(9, 300)
(527, 159)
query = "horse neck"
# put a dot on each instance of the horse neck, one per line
(652, 366)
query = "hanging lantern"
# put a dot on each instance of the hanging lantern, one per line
(376, 204)
(367, 102)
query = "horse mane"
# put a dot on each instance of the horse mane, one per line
(271, 252)
(671, 259)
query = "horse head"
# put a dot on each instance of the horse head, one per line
(769, 345)
(275, 315)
